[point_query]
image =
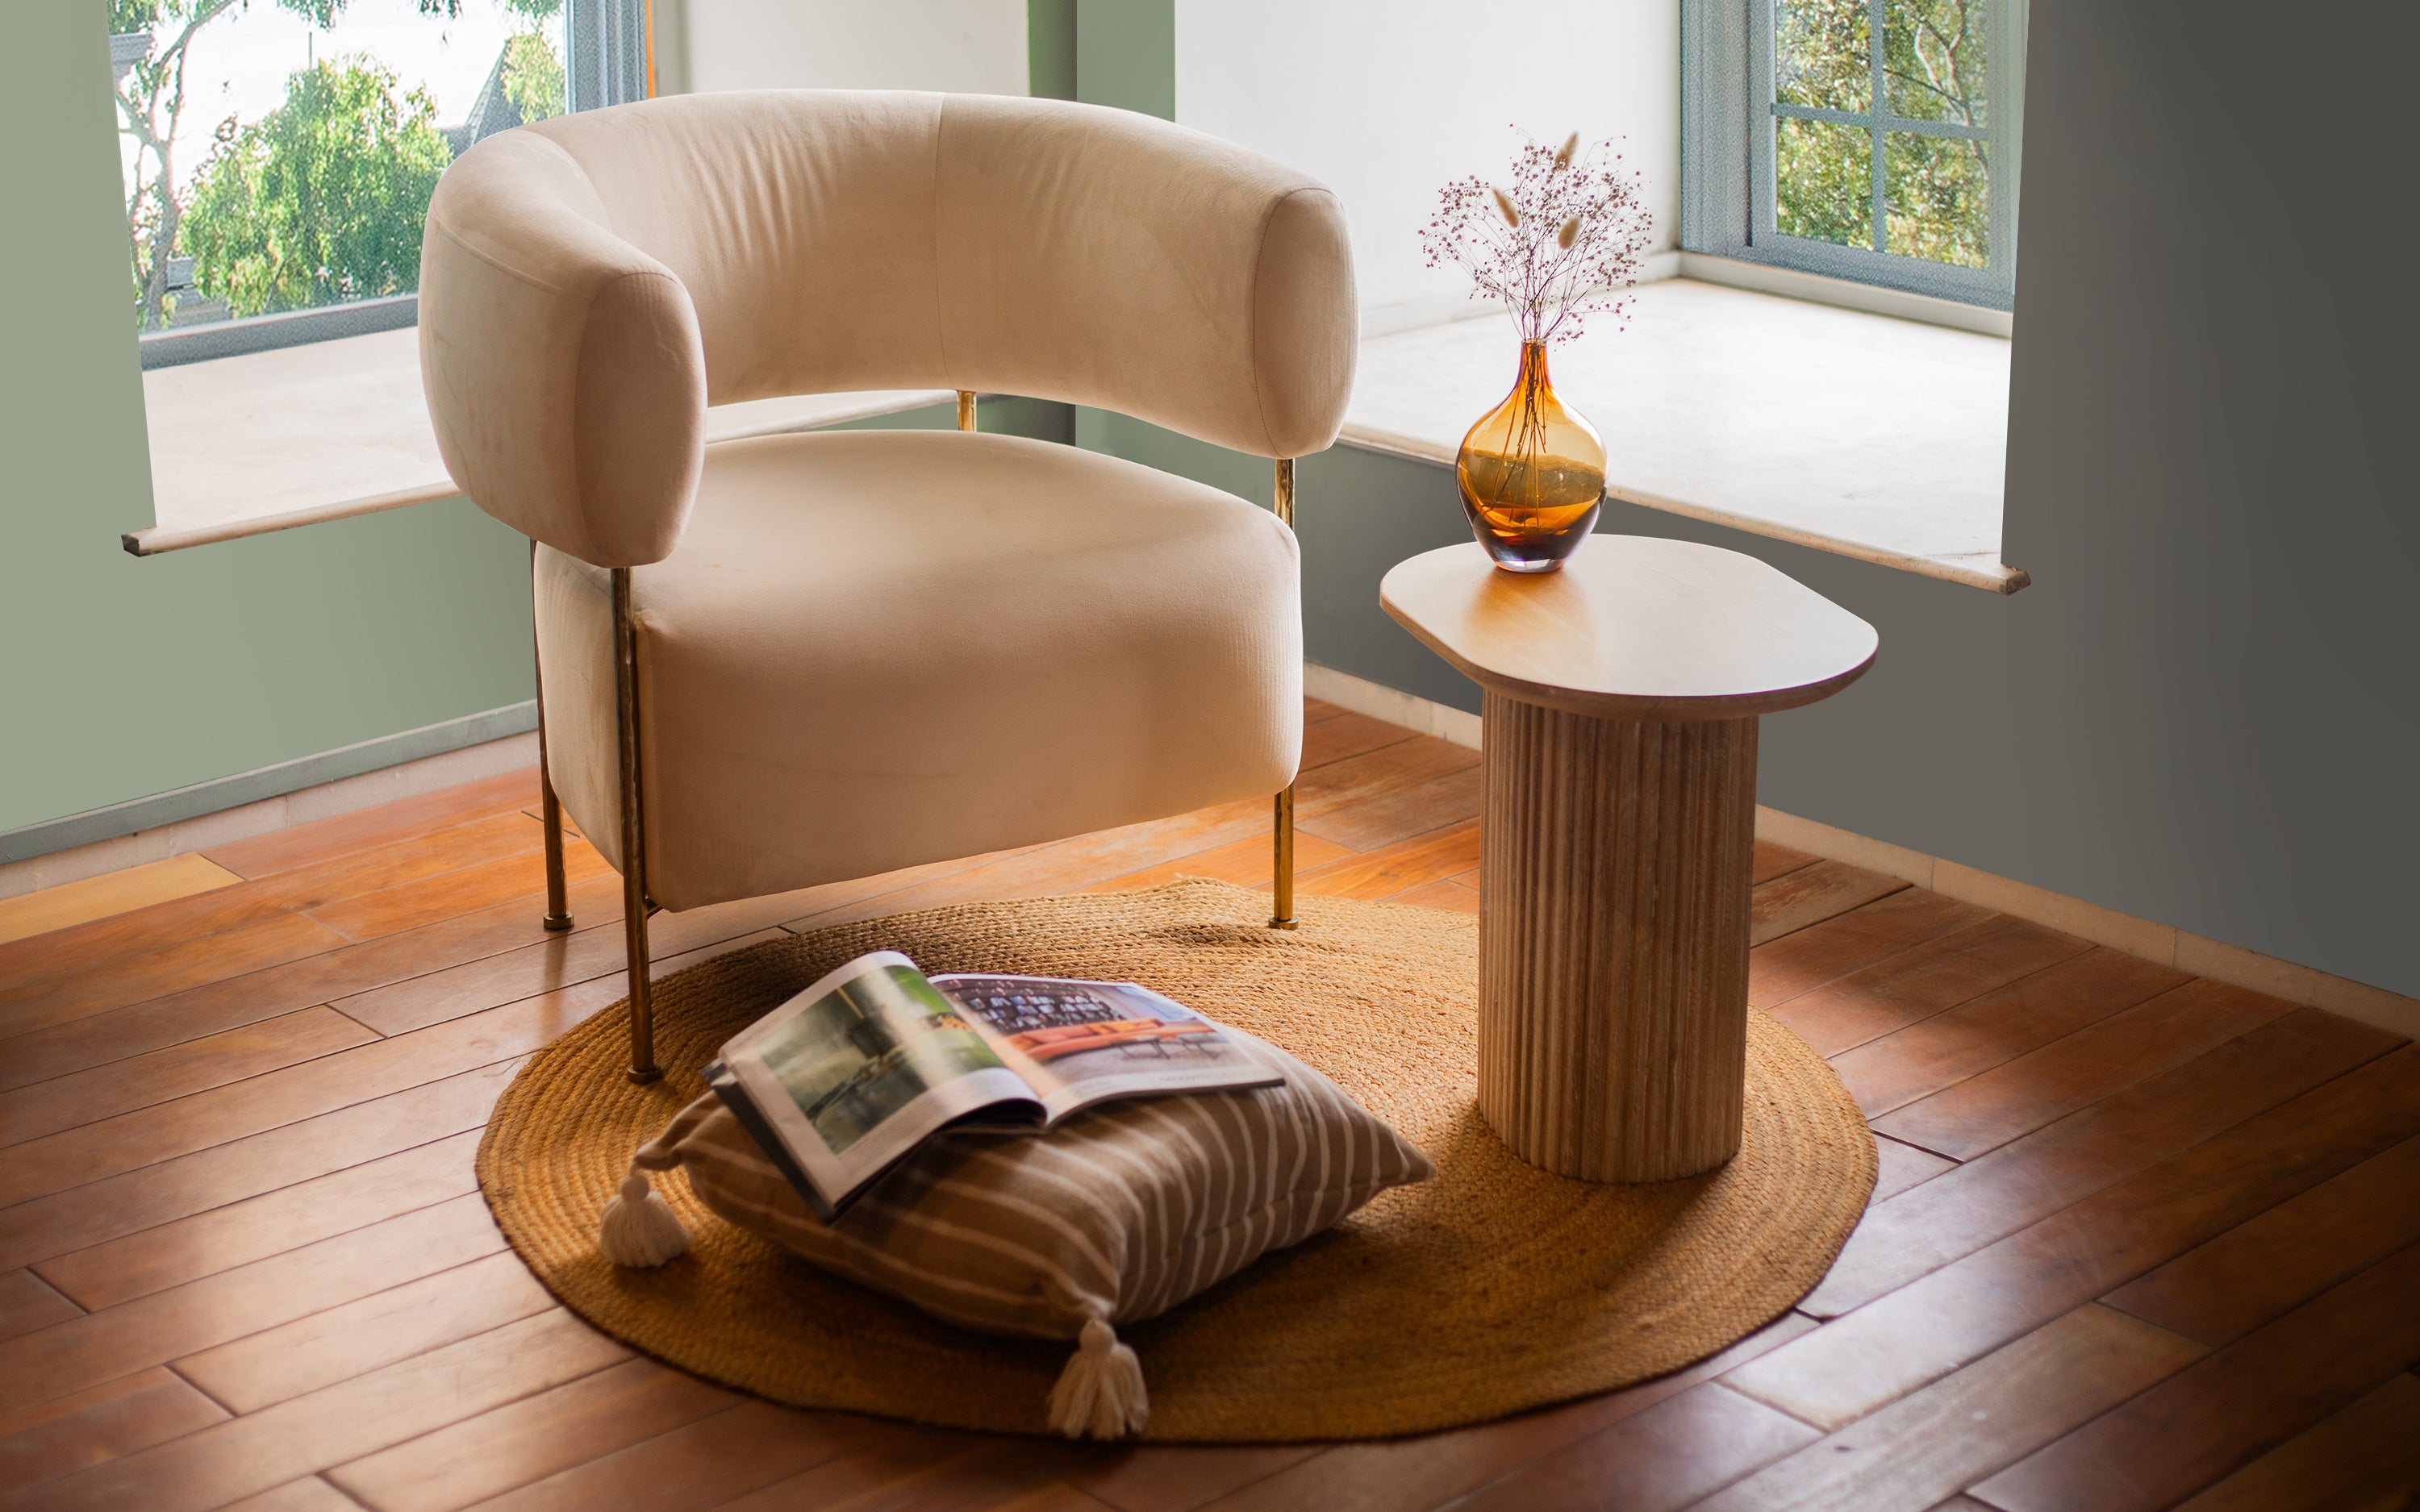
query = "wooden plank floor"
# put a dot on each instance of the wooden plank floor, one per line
(2141, 1240)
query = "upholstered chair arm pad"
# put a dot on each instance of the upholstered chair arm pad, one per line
(1106, 258)
(563, 368)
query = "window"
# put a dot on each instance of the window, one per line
(279, 155)
(1874, 140)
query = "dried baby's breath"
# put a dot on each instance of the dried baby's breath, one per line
(1548, 280)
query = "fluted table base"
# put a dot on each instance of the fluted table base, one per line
(1613, 940)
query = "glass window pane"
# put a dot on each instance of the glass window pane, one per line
(1819, 53)
(280, 155)
(1939, 198)
(1933, 59)
(1822, 181)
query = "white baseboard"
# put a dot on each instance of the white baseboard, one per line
(2162, 943)
(2153, 941)
(407, 779)
(1379, 701)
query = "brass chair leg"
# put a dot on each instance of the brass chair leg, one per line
(965, 410)
(1281, 882)
(1281, 915)
(549, 811)
(635, 846)
(558, 898)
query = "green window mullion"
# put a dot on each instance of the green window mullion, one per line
(1911, 124)
(1878, 105)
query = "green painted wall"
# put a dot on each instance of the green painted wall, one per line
(127, 677)
(1050, 49)
(1126, 54)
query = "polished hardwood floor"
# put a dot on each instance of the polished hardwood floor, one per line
(2141, 1239)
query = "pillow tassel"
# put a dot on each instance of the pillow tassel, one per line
(637, 1230)
(1101, 1391)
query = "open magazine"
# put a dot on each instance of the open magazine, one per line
(842, 1081)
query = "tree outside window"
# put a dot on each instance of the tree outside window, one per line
(1931, 198)
(319, 198)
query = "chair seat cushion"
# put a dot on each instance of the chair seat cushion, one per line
(873, 649)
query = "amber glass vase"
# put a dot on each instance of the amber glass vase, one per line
(1532, 473)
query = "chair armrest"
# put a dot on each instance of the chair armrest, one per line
(562, 366)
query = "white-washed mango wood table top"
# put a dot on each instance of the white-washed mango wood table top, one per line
(1634, 627)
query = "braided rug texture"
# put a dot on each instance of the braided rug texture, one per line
(1490, 1288)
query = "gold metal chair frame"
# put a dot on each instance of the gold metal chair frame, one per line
(637, 906)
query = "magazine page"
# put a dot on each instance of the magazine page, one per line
(1077, 1042)
(854, 1071)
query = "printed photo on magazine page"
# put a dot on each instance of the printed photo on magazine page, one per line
(1078, 1043)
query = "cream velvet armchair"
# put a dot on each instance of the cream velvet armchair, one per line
(771, 663)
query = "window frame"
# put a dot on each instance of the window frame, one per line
(609, 63)
(1728, 126)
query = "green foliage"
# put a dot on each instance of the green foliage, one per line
(1940, 187)
(1932, 60)
(321, 200)
(533, 77)
(1822, 181)
(1819, 53)
(1939, 208)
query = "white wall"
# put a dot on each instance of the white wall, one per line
(1386, 99)
(971, 46)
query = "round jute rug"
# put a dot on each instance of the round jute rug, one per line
(1492, 1287)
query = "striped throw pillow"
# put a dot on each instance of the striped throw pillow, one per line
(1118, 1215)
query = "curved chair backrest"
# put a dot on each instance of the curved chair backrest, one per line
(589, 284)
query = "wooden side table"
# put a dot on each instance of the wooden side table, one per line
(1623, 694)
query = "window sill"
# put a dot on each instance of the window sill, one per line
(269, 440)
(1847, 431)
